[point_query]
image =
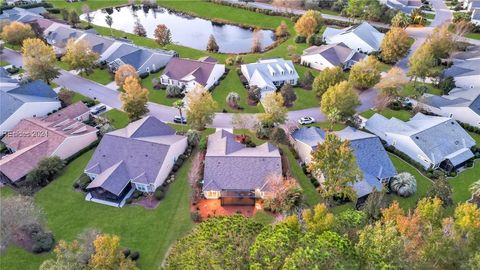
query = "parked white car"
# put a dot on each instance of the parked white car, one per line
(306, 120)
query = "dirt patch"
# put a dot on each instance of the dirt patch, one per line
(148, 203)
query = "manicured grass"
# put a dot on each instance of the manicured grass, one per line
(409, 90)
(151, 231)
(327, 125)
(16, 258)
(79, 97)
(63, 65)
(389, 113)
(384, 67)
(232, 83)
(101, 76)
(430, 16)
(93, 5)
(7, 191)
(4, 63)
(117, 118)
(263, 218)
(461, 183)
(473, 36)
(305, 99)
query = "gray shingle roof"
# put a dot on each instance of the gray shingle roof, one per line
(466, 68)
(476, 14)
(336, 54)
(438, 101)
(310, 136)
(230, 165)
(98, 43)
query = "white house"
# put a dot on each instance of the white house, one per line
(432, 141)
(475, 19)
(17, 101)
(464, 107)
(139, 156)
(362, 38)
(187, 73)
(466, 74)
(270, 74)
(327, 56)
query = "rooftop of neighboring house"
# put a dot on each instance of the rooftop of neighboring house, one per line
(73, 111)
(230, 165)
(310, 136)
(472, 52)
(59, 34)
(134, 153)
(18, 14)
(35, 138)
(466, 93)
(443, 101)
(364, 31)
(14, 95)
(465, 68)
(99, 44)
(336, 54)
(276, 69)
(437, 137)
(134, 55)
(476, 14)
(183, 69)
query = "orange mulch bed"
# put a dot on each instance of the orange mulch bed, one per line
(213, 208)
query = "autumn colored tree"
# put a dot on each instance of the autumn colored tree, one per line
(139, 30)
(16, 32)
(162, 34)
(79, 55)
(288, 94)
(335, 165)
(275, 113)
(309, 23)
(391, 84)
(442, 190)
(341, 99)
(282, 30)
(73, 18)
(401, 20)
(365, 73)
(65, 96)
(108, 254)
(201, 107)
(318, 219)
(442, 41)
(257, 41)
(134, 99)
(423, 63)
(285, 194)
(327, 78)
(39, 60)
(123, 72)
(395, 45)
(88, 16)
(212, 45)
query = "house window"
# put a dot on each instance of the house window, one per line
(212, 194)
(147, 69)
(141, 187)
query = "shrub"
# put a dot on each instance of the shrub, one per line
(404, 184)
(300, 39)
(45, 171)
(129, 201)
(42, 242)
(76, 185)
(159, 194)
(143, 75)
(315, 40)
(126, 252)
(202, 145)
(196, 216)
(135, 256)
(174, 92)
(136, 194)
(279, 136)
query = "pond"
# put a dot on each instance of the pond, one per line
(186, 30)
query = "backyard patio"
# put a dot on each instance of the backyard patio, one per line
(213, 208)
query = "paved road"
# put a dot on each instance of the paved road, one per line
(301, 11)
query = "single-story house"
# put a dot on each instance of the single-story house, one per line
(187, 73)
(22, 2)
(35, 138)
(466, 74)
(58, 35)
(462, 109)
(237, 174)
(472, 5)
(270, 74)
(371, 157)
(327, 56)
(22, 14)
(99, 44)
(471, 53)
(139, 156)
(406, 6)
(19, 101)
(362, 38)
(432, 141)
(475, 19)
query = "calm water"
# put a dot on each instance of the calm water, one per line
(186, 30)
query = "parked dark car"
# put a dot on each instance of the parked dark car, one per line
(179, 120)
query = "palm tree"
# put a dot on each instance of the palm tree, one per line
(232, 99)
(475, 189)
(404, 184)
(109, 21)
(179, 104)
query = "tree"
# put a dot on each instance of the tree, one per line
(286, 194)
(423, 62)
(442, 190)
(88, 16)
(65, 13)
(232, 99)
(288, 94)
(123, 72)
(79, 55)
(395, 45)
(254, 94)
(404, 184)
(275, 113)
(39, 60)
(355, 8)
(475, 189)
(201, 107)
(417, 16)
(257, 41)
(17, 212)
(340, 98)
(67, 256)
(66, 96)
(391, 84)
(365, 73)
(318, 219)
(73, 18)
(134, 99)
(45, 171)
(108, 255)
(179, 105)
(109, 22)
(376, 200)
(401, 20)
(327, 78)
(307, 79)
(16, 32)
(139, 30)
(174, 91)
(212, 45)
(442, 42)
(243, 121)
(282, 30)
(162, 34)
(309, 23)
(217, 243)
(334, 163)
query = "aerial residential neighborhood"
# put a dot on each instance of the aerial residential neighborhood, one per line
(239, 134)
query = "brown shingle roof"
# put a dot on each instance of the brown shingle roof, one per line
(179, 68)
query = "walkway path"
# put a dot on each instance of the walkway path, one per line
(111, 97)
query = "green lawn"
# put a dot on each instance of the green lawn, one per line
(473, 36)
(6, 191)
(101, 76)
(409, 90)
(305, 99)
(77, 6)
(63, 65)
(461, 183)
(389, 113)
(117, 118)
(79, 97)
(328, 126)
(263, 217)
(4, 63)
(151, 231)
